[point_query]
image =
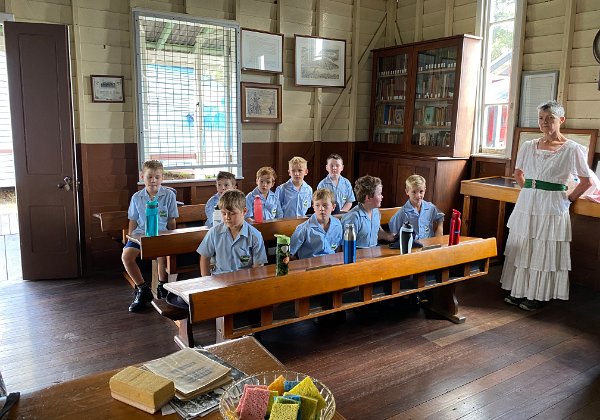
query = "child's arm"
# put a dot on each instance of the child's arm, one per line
(171, 224)
(439, 228)
(346, 206)
(132, 226)
(385, 236)
(204, 266)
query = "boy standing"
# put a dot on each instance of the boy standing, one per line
(234, 244)
(321, 234)
(341, 187)
(225, 182)
(152, 175)
(271, 209)
(295, 194)
(366, 217)
(425, 218)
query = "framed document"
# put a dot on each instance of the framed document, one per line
(319, 61)
(262, 51)
(261, 103)
(107, 88)
(536, 87)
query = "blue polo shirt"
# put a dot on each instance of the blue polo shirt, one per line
(230, 254)
(167, 208)
(310, 240)
(366, 227)
(294, 202)
(209, 209)
(270, 205)
(422, 222)
(343, 192)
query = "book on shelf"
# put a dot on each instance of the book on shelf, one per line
(429, 115)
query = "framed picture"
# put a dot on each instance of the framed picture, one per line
(536, 87)
(261, 103)
(319, 61)
(107, 88)
(585, 137)
(262, 51)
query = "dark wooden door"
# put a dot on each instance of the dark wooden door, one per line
(42, 122)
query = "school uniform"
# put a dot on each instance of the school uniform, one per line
(294, 202)
(366, 227)
(231, 254)
(343, 191)
(209, 209)
(167, 208)
(310, 240)
(271, 208)
(422, 222)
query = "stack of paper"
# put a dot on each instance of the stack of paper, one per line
(191, 372)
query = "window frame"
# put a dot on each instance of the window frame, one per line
(483, 26)
(136, 79)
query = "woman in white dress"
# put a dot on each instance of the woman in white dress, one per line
(537, 253)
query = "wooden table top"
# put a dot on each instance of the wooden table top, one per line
(89, 397)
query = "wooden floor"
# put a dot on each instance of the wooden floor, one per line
(388, 362)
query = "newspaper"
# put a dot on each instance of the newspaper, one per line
(206, 403)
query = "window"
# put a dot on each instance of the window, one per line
(187, 83)
(7, 165)
(501, 35)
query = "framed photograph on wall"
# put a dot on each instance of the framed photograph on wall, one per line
(262, 51)
(261, 103)
(585, 137)
(107, 88)
(319, 62)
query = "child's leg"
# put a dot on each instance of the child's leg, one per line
(163, 277)
(129, 257)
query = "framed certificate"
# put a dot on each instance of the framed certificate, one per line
(320, 61)
(262, 51)
(107, 88)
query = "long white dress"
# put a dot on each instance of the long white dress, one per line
(537, 254)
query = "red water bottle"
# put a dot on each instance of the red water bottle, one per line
(258, 214)
(454, 234)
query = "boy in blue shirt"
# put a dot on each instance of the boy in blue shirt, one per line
(234, 244)
(271, 209)
(341, 187)
(366, 217)
(321, 234)
(295, 194)
(225, 182)
(427, 221)
(152, 175)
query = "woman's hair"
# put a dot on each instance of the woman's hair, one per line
(553, 107)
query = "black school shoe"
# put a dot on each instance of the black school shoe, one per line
(161, 292)
(143, 295)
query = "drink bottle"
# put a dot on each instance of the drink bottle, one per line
(455, 223)
(282, 254)
(152, 217)
(406, 238)
(349, 244)
(258, 209)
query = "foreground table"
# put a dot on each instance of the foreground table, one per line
(89, 397)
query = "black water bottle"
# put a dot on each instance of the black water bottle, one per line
(406, 238)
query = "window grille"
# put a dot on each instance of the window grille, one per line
(7, 165)
(188, 88)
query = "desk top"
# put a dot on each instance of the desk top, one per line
(89, 397)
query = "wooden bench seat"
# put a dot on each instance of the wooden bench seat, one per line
(249, 301)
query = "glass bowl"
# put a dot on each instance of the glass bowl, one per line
(231, 396)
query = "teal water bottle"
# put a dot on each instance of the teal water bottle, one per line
(152, 217)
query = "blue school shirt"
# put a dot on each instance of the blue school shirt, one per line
(209, 209)
(343, 192)
(294, 202)
(309, 239)
(366, 227)
(230, 254)
(422, 223)
(270, 205)
(167, 208)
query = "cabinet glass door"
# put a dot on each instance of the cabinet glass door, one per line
(434, 98)
(390, 99)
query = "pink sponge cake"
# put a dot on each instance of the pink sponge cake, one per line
(254, 404)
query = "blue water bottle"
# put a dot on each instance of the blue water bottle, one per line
(349, 244)
(152, 217)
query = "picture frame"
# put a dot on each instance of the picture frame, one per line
(319, 62)
(585, 137)
(536, 87)
(261, 51)
(261, 103)
(107, 88)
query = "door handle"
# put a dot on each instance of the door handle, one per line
(67, 185)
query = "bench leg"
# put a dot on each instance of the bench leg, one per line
(185, 337)
(444, 303)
